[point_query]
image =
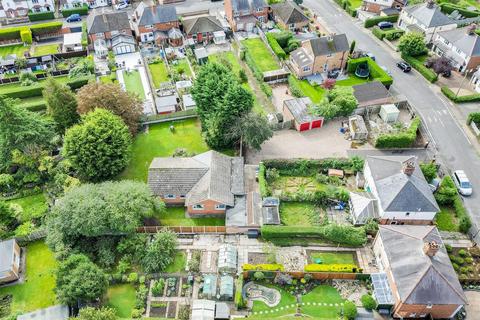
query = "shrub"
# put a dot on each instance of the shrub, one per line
(374, 21)
(447, 192)
(428, 74)
(340, 234)
(448, 248)
(294, 87)
(448, 8)
(157, 287)
(349, 310)
(460, 99)
(258, 276)
(242, 75)
(26, 36)
(304, 167)
(412, 44)
(262, 267)
(462, 253)
(238, 299)
(461, 213)
(403, 139)
(469, 260)
(429, 171)
(277, 49)
(458, 260)
(38, 16)
(376, 72)
(83, 10)
(332, 268)
(262, 182)
(132, 277)
(368, 302)
(473, 116)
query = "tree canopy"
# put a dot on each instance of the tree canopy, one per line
(412, 44)
(340, 102)
(99, 147)
(252, 129)
(161, 252)
(111, 97)
(61, 104)
(220, 100)
(80, 280)
(90, 313)
(21, 130)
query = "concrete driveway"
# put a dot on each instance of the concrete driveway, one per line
(315, 144)
(473, 307)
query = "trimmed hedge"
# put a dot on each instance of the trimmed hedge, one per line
(262, 181)
(404, 139)
(376, 72)
(450, 7)
(11, 33)
(26, 36)
(38, 16)
(314, 267)
(305, 167)
(294, 87)
(80, 10)
(461, 213)
(460, 99)
(339, 234)
(36, 89)
(427, 73)
(263, 267)
(277, 49)
(473, 116)
(36, 29)
(387, 34)
(374, 21)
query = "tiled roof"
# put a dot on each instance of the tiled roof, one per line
(201, 25)
(106, 22)
(149, 15)
(330, 44)
(289, 12)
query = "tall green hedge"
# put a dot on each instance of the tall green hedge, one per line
(473, 116)
(338, 234)
(36, 89)
(238, 299)
(83, 10)
(391, 34)
(262, 180)
(450, 7)
(46, 28)
(460, 99)
(403, 139)
(277, 49)
(11, 33)
(306, 167)
(376, 72)
(38, 16)
(374, 21)
(26, 36)
(427, 73)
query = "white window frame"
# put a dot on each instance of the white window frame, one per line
(220, 206)
(307, 68)
(169, 196)
(198, 207)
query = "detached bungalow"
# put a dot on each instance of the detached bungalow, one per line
(202, 29)
(290, 16)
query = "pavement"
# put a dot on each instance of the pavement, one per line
(473, 307)
(450, 140)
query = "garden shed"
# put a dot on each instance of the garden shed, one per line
(188, 102)
(203, 310)
(58, 312)
(209, 286)
(201, 55)
(219, 37)
(297, 110)
(274, 76)
(227, 258)
(389, 113)
(363, 207)
(358, 129)
(226, 287)
(271, 210)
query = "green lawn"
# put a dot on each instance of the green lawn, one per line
(121, 297)
(286, 302)
(175, 216)
(161, 142)
(45, 50)
(334, 257)
(322, 294)
(17, 49)
(38, 290)
(133, 83)
(159, 73)
(315, 93)
(300, 214)
(182, 64)
(259, 52)
(32, 101)
(446, 220)
(355, 3)
(179, 263)
(108, 79)
(33, 206)
(353, 80)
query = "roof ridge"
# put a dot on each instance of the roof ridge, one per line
(389, 227)
(449, 284)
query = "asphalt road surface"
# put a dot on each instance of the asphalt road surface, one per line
(450, 141)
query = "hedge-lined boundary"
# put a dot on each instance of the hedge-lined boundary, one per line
(36, 29)
(339, 234)
(80, 10)
(427, 73)
(38, 16)
(345, 4)
(391, 34)
(473, 116)
(277, 49)
(448, 8)
(314, 267)
(460, 99)
(404, 139)
(262, 180)
(374, 21)
(35, 90)
(376, 72)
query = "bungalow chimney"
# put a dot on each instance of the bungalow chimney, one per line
(430, 248)
(430, 4)
(408, 167)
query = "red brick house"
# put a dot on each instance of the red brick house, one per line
(153, 23)
(106, 25)
(242, 15)
(206, 184)
(201, 29)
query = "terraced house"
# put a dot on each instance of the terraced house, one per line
(206, 184)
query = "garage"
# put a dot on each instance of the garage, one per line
(122, 44)
(297, 111)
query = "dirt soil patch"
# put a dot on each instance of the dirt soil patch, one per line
(172, 309)
(257, 258)
(158, 312)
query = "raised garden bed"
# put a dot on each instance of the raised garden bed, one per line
(172, 309)
(172, 286)
(158, 309)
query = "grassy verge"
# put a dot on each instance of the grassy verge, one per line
(179, 263)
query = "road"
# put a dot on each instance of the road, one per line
(450, 141)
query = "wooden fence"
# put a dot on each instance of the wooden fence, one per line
(185, 229)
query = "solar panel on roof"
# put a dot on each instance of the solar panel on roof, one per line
(381, 289)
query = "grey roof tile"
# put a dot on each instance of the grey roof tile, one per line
(324, 46)
(201, 25)
(468, 43)
(289, 12)
(6, 254)
(429, 16)
(149, 15)
(106, 22)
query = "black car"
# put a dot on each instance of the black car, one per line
(385, 25)
(405, 67)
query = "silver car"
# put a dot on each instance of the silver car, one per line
(463, 184)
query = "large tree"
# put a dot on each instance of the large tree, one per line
(111, 97)
(160, 252)
(340, 102)
(87, 216)
(220, 100)
(21, 130)
(61, 104)
(90, 313)
(412, 44)
(80, 280)
(98, 147)
(252, 130)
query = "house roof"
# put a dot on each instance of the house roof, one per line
(120, 39)
(107, 21)
(7, 248)
(398, 191)
(209, 175)
(298, 107)
(203, 310)
(201, 25)
(328, 45)
(58, 312)
(420, 279)
(371, 93)
(289, 12)
(460, 38)
(301, 57)
(148, 15)
(428, 15)
(248, 5)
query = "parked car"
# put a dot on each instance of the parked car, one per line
(74, 18)
(333, 74)
(462, 182)
(385, 25)
(121, 5)
(405, 67)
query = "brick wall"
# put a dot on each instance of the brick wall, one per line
(208, 209)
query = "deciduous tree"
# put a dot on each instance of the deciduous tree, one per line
(90, 313)
(252, 130)
(340, 102)
(61, 104)
(99, 147)
(160, 252)
(412, 44)
(111, 97)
